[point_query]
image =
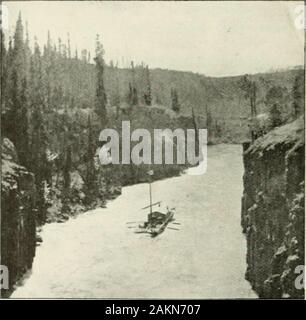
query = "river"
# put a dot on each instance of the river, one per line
(96, 255)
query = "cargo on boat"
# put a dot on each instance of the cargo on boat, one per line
(157, 221)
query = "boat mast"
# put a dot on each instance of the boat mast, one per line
(150, 186)
(150, 196)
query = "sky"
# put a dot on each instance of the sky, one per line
(212, 38)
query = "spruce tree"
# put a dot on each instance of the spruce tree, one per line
(116, 98)
(68, 46)
(132, 97)
(22, 134)
(135, 97)
(175, 101)
(275, 116)
(67, 168)
(90, 176)
(18, 39)
(15, 112)
(133, 93)
(114, 81)
(148, 93)
(101, 99)
(250, 89)
(39, 163)
(298, 95)
(13, 106)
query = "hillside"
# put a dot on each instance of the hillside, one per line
(273, 210)
(221, 98)
(195, 90)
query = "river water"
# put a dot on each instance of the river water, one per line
(97, 255)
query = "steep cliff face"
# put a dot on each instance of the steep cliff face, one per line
(18, 239)
(273, 210)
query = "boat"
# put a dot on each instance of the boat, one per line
(157, 221)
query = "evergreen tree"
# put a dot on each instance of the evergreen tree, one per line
(133, 74)
(148, 93)
(135, 97)
(27, 53)
(298, 95)
(275, 116)
(48, 67)
(101, 100)
(274, 99)
(20, 53)
(114, 80)
(116, 98)
(67, 168)
(132, 97)
(49, 44)
(15, 64)
(274, 95)
(37, 78)
(16, 118)
(59, 47)
(250, 89)
(39, 163)
(90, 177)
(68, 46)
(13, 107)
(18, 39)
(175, 101)
(21, 129)
(133, 93)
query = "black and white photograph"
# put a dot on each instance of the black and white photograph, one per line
(152, 150)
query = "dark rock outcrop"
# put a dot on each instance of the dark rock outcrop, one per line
(18, 229)
(273, 210)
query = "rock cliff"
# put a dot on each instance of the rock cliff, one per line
(18, 230)
(273, 210)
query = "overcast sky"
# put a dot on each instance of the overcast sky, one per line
(213, 38)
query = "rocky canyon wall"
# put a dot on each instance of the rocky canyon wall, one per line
(18, 229)
(273, 213)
